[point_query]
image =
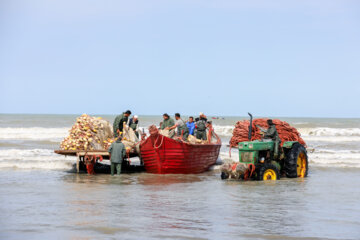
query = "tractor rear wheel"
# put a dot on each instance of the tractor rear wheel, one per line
(296, 162)
(268, 171)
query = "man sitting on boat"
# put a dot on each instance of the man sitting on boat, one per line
(182, 129)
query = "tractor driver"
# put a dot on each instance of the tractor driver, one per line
(272, 134)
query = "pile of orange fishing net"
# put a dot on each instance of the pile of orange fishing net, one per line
(286, 132)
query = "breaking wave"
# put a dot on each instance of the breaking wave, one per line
(34, 133)
(305, 132)
(336, 132)
(310, 134)
(34, 159)
(225, 131)
(333, 158)
(37, 158)
(40, 133)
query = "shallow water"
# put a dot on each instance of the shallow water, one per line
(41, 199)
(56, 204)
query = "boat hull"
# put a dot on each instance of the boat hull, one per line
(163, 155)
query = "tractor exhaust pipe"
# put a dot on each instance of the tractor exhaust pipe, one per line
(250, 126)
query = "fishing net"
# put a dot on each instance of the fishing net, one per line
(234, 170)
(93, 133)
(88, 133)
(191, 138)
(129, 138)
(285, 131)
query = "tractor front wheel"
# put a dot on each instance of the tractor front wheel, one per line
(268, 171)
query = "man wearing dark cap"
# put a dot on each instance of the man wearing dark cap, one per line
(272, 134)
(119, 122)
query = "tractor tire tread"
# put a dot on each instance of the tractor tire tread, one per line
(290, 163)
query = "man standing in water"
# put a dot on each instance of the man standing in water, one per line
(119, 122)
(182, 129)
(271, 133)
(117, 153)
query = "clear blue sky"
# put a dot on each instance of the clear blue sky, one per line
(272, 58)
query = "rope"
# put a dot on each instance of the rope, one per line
(162, 139)
(209, 135)
(128, 157)
(249, 171)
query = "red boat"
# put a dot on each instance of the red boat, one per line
(163, 155)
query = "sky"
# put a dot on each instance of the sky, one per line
(271, 58)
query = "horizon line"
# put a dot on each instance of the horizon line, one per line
(212, 115)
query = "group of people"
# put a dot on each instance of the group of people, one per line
(119, 121)
(117, 150)
(196, 128)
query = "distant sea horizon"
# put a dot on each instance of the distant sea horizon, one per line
(187, 115)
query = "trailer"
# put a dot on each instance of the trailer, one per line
(92, 160)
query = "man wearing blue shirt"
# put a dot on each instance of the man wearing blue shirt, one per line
(191, 125)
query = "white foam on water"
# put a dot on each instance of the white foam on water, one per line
(305, 132)
(344, 160)
(34, 133)
(39, 133)
(330, 132)
(335, 158)
(310, 134)
(223, 130)
(224, 156)
(47, 159)
(332, 135)
(332, 151)
(34, 159)
(331, 139)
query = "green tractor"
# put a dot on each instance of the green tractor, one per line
(258, 156)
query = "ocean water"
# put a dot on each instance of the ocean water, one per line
(41, 197)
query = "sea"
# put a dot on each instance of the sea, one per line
(42, 197)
